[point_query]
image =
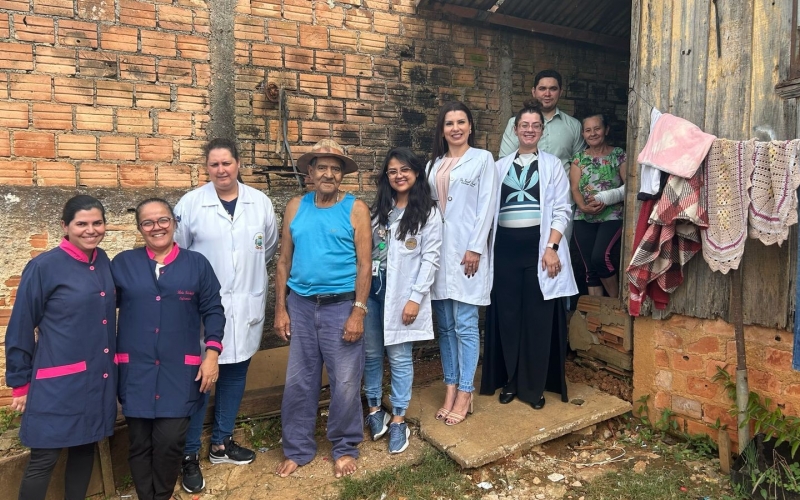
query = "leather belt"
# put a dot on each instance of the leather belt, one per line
(330, 298)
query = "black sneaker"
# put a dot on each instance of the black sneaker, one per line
(231, 454)
(192, 480)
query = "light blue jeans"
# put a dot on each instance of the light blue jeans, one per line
(400, 360)
(459, 341)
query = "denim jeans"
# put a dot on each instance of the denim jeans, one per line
(227, 398)
(459, 341)
(400, 360)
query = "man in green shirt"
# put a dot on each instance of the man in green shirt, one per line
(562, 133)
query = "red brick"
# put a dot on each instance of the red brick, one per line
(93, 118)
(55, 173)
(5, 143)
(267, 55)
(155, 149)
(190, 151)
(316, 85)
(778, 360)
(92, 173)
(328, 62)
(201, 24)
(201, 124)
(265, 8)
(687, 362)
(15, 114)
(119, 38)
(313, 37)
(662, 358)
(110, 93)
(73, 90)
(413, 27)
(386, 22)
(77, 147)
(178, 124)
(202, 74)
(96, 10)
(13, 281)
(282, 32)
(667, 338)
(705, 345)
(53, 7)
(293, 130)
(190, 99)
(175, 176)
(386, 68)
(371, 90)
(157, 43)
(358, 20)
(35, 29)
(662, 400)
(711, 413)
(15, 173)
(713, 365)
(22, 5)
(343, 87)
(695, 428)
(686, 406)
(249, 29)
(4, 26)
(297, 10)
(761, 381)
(137, 176)
(98, 64)
(344, 40)
(34, 144)
(115, 147)
(718, 328)
(4, 86)
(52, 116)
(134, 121)
(241, 53)
(193, 47)
(315, 131)
(54, 60)
(372, 43)
(701, 387)
(300, 107)
(330, 110)
(137, 13)
(16, 56)
(792, 390)
(77, 33)
(326, 14)
(174, 18)
(175, 71)
(137, 68)
(358, 111)
(153, 96)
(358, 65)
(299, 59)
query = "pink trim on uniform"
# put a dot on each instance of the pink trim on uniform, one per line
(60, 371)
(213, 343)
(192, 360)
(18, 392)
(75, 252)
(122, 357)
(171, 256)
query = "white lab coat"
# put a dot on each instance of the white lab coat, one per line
(468, 219)
(238, 250)
(556, 214)
(410, 268)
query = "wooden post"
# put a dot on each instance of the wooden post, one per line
(724, 443)
(106, 469)
(742, 387)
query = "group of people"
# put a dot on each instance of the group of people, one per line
(353, 283)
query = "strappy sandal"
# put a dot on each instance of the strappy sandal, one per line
(443, 412)
(455, 418)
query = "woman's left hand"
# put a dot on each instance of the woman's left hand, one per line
(470, 262)
(410, 312)
(551, 262)
(209, 371)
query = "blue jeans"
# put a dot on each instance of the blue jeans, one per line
(317, 332)
(227, 398)
(400, 360)
(459, 341)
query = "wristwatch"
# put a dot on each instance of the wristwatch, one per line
(361, 305)
(554, 246)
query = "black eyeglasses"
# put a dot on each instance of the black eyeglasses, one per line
(162, 222)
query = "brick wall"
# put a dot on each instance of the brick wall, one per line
(674, 361)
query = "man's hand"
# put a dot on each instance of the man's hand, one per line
(354, 326)
(282, 324)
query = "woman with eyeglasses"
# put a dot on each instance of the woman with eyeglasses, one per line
(168, 297)
(406, 238)
(60, 347)
(526, 324)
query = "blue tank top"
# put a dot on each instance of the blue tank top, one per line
(324, 259)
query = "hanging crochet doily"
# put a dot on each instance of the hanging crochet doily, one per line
(727, 174)
(773, 195)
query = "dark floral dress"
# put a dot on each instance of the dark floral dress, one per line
(600, 173)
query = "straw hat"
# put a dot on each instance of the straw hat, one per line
(327, 147)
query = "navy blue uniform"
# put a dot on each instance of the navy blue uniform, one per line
(71, 370)
(160, 321)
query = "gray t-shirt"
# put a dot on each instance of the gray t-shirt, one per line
(380, 237)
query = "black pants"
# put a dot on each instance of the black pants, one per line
(80, 461)
(155, 455)
(599, 247)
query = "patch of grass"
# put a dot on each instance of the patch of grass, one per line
(435, 477)
(262, 433)
(655, 484)
(7, 416)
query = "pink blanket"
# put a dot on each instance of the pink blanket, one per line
(676, 146)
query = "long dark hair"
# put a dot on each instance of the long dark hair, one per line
(420, 203)
(440, 146)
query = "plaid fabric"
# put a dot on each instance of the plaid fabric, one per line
(670, 240)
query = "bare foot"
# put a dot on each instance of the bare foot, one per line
(344, 466)
(286, 467)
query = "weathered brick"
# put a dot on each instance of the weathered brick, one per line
(358, 20)
(778, 360)
(55, 60)
(300, 107)
(386, 113)
(158, 43)
(247, 28)
(193, 47)
(292, 130)
(326, 14)
(190, 151)
(701, 387)
(5, 143)
(202, 74)
(763, 381)
(119, 38)
(328, 62)
(343, 87)
(5, 31)
(137, 13)
(313, 84)
(152, 96)
(439, 30)
(73, 90)
(53, 7)
(265, 8)
(713, 412)
(413, 72)
(687, 362)
(313, 37)
(21, 5)
(134, 121)
(386, 22)
(52, 116)
(96, 10)
(94, 118)
(282, 32)
(373, 135)
(372, 43)
(137, 176)
(91, 174)
(155, 149)
(77, 33)
(175, 71)
(15, 114)
(357, 111)
(16, 173)
(111, 93)
(35, 29)
(413, 27)
(685, 406)
(358, 65)
(98, 64)
(77, 147)
(298, 59)
(718, 328)
(371, 90)
(331, 110)
(668, 338)
(315, 131)
(386, 68)
(705, 345)
(34, 144)
(241, 53)
(201, 24)
(179, 124)
(190, 99)
(137, 68)
(663, 380)
(117, 147)
(267, 55)
(477, 57)
(174, 18)
(55, 173)
(174, 176)
(297, 10)
(30, 87)
(346, 40)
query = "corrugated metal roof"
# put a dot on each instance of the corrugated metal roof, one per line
(601, 22)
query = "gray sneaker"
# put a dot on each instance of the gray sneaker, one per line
(398, 437)
(377, 423)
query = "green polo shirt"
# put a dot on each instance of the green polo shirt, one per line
(562, 138)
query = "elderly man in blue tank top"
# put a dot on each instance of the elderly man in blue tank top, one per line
(322, 283)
